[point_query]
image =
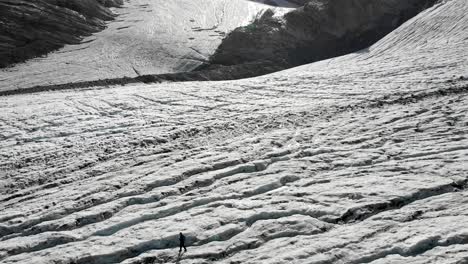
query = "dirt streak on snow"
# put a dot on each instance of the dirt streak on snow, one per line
(358, 159)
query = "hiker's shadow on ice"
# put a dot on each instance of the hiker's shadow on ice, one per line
(179, 257)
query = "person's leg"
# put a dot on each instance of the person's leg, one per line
(185, 248)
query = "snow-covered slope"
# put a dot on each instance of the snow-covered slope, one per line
(357, 159)
(319, 30)
(148, 37)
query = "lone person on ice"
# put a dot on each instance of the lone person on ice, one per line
(182, 242)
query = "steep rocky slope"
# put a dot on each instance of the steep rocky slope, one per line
(357, 159)
(321, 29)
(35, 27)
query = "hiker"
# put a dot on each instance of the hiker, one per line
(182, 242)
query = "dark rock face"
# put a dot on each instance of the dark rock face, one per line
(320, 29)
(299, 2)
(32, 28)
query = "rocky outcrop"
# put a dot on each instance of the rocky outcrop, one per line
(320, 29)
(35, 27)
(299, 2)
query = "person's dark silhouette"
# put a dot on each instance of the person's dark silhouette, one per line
(182, 242)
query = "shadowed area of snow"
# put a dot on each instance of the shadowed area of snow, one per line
(357, 159)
